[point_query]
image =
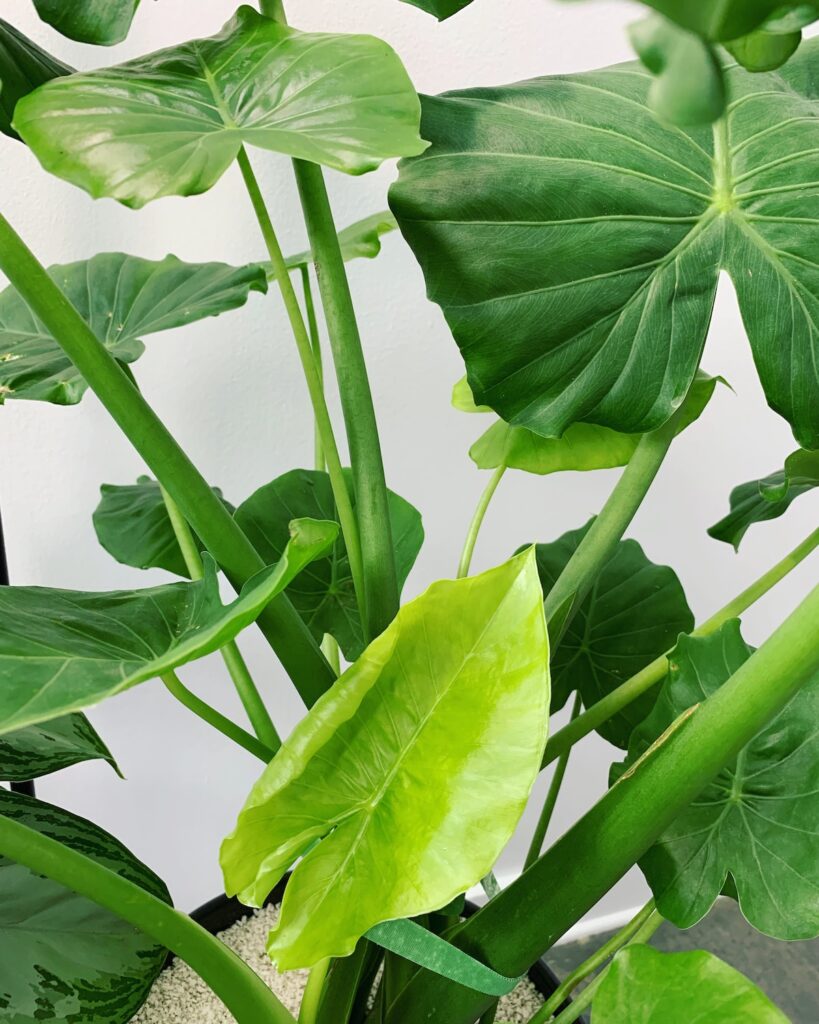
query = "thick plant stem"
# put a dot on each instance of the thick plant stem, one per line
(249, 695)
(656, 671)
(273, 9)
(313, 377)
(244, 994)
(551, 796)
(215, 718)
(372, 506)
(315, 342)
(308, 1011)
(512, 931)
(477, 521)
(281, 624)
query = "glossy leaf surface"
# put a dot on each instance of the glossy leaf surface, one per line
(324, 595)
(755, 825)
(103, 22)
(171, 123)
(132, 524)
(610, 328)
(769, 498)
(65, 958)
(39, 750)
(63, 650)
(645, 986)
(633, 614)
(361, 240)
(435, 736)
(23, 66)
(122, 298)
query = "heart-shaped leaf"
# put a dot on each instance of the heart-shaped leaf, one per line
(633, 614)
(644, 986)
(39, 750)
(610, 328)
(768, 498)
(103, 22)
(132, 524)
(361, 240)
(64, 957)
(173, 122)
(122, 298)
(63, 650)
(324, 595)
(756, 822)
(435, 736)
(23, 67)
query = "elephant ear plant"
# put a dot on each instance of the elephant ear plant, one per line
(573, 230)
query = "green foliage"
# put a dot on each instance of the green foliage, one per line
(361, 240)
(769, 498)
(610, 329)
(63, 650)
(764, 51)
(442, 9)
(752, 830)
(23, 66)
(435, 736)
(174, 121)
(721, 21)
(324, 595)
(644, 986)
(39, 750)
(121, 298)
(64, 957)
(103, 22)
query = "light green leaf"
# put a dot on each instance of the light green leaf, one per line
(644, 986)
(763, 50)
(435, 736)
(361, 240)
(633, 614)
(132, 524)
(769, 498)
(63, 650)
(610, 328)
(39, 750)
(324, 595)
(173, 122)
(463, 400)
(103, 22)
(23, 66)
(64, 957)
(122, 298)
(756, 822)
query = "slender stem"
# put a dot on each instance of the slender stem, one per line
(656, 671)
(273, 9)
(308, 1011)
(315, 342)
(551, 796)
(281, 624)
(341, 495)
(477, 521)
(245, 995)
(215, 718)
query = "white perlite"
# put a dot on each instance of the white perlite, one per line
(181, 997)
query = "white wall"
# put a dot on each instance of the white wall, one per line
(232, 392)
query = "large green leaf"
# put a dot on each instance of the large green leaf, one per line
(173, 122)
(412, 770)
(634, 613)
(23, 66)
(644, 986)
(103, 22)
(578, 270)
(361, 240)
(756, 822)
(132, 524)
(63, 650)
(65, 958)
(122, 298)
(324, 595)
(39, 750)
(768, 498)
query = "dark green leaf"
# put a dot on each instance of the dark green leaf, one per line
(634, 613)
(23, 66)
(122, 298)
(103, 22)
(637, 219)
(324, 594)
(768, 498)
(62, 650)
(756, 821)
(39, 750)
(442, 9)
(361, 240)
(763, 50)
(65, 958)
(132, 524)
(173, 122)
(791, 19)
(727, 19)
(644, 986)
(435, 736)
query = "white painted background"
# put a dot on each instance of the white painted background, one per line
(231, 390)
